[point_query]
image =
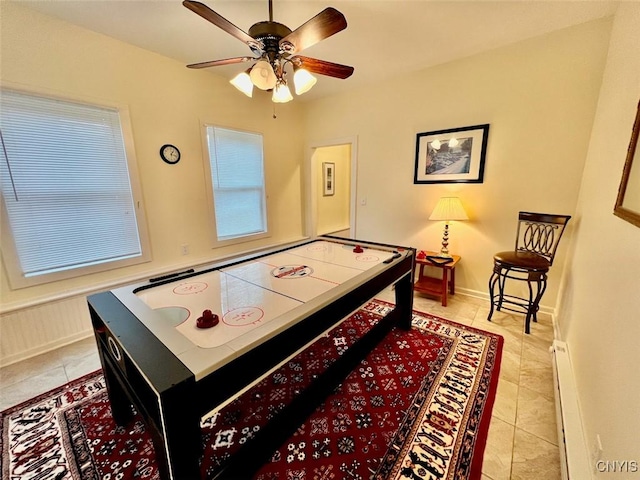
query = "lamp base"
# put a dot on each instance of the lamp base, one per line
(444, 251)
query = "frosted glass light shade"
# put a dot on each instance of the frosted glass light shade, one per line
(263, 76)
(243, 82)
(303, 81)
(281, 94)
(449, 208)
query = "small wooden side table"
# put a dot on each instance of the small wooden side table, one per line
(432, 285)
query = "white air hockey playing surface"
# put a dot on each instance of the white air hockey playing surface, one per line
(254, 300)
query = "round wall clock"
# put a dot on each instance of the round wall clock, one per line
(170, 153)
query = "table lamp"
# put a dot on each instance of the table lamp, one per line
(447, 209)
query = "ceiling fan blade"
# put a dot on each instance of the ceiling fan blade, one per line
(328, 22)
(322, 67)
(221, 22)
(217, 63)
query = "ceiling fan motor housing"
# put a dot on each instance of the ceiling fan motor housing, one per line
(270, 34)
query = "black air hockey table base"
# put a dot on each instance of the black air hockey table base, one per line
(141, 371)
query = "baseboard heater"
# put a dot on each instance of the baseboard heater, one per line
(574, 457)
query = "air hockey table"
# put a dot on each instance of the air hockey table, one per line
(269, 305)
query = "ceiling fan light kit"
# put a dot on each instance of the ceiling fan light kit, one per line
(274, 46)
(242, 82)
(281, 94)
(263, 76)
(303, 80)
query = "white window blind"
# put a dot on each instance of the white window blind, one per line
(237, 177)
(65, 184)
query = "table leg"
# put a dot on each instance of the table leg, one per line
(121, 407)
(404, 301)
(452, 282)
(181, 438)
(444, 287)
(175, 434)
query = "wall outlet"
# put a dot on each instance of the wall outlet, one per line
(184, 249)
(363, 201)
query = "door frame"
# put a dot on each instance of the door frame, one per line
(311, 191)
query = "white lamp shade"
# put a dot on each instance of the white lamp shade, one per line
(242, 82)
(263, 76)
(281, 94)
(303, 81)
(449, 208)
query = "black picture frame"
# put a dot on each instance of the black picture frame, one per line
(328, 178)
(455, 155)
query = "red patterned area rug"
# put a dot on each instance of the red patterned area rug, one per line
(418, 407)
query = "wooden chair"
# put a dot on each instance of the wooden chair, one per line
(537, 239)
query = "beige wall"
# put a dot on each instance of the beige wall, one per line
(539, 97)
(167, 102)
(333, 210)
(599, 310)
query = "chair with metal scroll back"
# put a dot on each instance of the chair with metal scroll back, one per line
(537, 240)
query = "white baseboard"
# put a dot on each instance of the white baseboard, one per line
(574, 456)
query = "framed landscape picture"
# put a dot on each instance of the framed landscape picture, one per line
(451, 156)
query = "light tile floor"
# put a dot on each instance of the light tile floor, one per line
(522, 442)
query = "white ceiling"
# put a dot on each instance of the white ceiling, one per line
(383, 38)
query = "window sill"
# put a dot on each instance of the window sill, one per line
(10, 307)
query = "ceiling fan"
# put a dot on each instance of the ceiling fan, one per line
(274, 46)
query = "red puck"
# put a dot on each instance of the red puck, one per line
(207, 320)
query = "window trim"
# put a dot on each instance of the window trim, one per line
(10, 258)
(213, 231)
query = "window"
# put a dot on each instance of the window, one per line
(68, 198)
(237, 183)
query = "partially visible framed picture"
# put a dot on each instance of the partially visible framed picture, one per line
(451, 156)
(628, 201)
(328, 178)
